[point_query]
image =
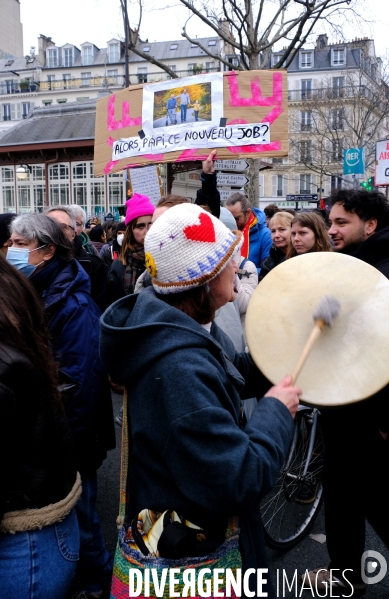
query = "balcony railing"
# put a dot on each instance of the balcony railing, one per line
(16, 87)
(356, 91)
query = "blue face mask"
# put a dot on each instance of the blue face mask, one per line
(18, 257)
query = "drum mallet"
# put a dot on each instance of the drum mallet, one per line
(326, 311)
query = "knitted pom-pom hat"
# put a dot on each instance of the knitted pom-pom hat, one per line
(138, 205)
(187, 247)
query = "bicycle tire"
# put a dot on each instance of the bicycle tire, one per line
(286, 519)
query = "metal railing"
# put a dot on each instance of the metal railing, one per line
(327, 93)
(16, 87)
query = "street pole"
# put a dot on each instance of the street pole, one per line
(126, 32)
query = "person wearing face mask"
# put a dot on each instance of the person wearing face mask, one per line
(125, 271)
(42, 252)
(111, 250)
(280, 229)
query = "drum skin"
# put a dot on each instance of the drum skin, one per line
(350, 360)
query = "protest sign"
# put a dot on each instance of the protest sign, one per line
(241, 114)
(146, 180)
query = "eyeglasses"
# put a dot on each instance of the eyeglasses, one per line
(142, 226)
(65, 226)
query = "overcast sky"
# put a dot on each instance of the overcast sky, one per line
(97, 21)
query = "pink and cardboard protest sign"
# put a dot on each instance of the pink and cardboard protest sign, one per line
(241, 114)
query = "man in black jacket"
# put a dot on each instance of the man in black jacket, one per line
(356, 436)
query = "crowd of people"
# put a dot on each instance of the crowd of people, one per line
(156, 305)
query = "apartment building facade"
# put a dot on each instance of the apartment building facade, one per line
(337, 100)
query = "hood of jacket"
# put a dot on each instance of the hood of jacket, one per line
(261, 219)
(59, 279)
(127, 348)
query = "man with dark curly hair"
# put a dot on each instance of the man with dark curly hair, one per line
(356, 436)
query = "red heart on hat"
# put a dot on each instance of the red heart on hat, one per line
(205, 231)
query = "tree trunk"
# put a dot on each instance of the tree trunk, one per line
(253, 184)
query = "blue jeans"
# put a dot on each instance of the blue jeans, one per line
(171, 113)
(183, 112)
(39, 564)
(95, 566)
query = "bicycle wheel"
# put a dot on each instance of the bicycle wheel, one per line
(290, 508)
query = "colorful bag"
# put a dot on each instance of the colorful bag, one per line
(150, 574)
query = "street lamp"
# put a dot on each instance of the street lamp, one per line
(23, 171)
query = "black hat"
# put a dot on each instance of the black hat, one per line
(5, 221)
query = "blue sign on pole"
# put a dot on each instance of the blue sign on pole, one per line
(354, 161)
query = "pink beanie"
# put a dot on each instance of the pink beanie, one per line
(138, 205)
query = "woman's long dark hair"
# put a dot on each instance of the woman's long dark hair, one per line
(23, 326)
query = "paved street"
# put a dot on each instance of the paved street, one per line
(308, 554)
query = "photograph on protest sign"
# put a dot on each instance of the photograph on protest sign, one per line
(181, 103)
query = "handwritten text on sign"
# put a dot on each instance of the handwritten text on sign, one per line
(199, 137)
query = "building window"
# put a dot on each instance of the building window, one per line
(6, 112)
(68, 57)
(193, 46)
(66, 81)
(337, 153)
(212, 43)
(305, 183)
(338, 119)
(113, 75)
(58, 171)
(146, 49)
(275, 59)
(142, 74)
(306, 89)
(338, 57)
(280, 191)
(79, 170)
(85, 78)
(87, 55)
(173, 46)
(306, 59)
(50, 79)
(24, 198)
(97, 197)
(306, 120)
(336, 182)
(305, 151)
(80, 196)
(25, 109)
(209, 66)
(113, 53)
(39, 197)
(337, 87)
(52, 59)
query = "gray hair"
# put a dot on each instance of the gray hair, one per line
(77, 212)
(46, 231)
(239, 197)
(64, 209)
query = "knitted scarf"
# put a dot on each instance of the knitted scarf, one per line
(245, 249)
(135, 267)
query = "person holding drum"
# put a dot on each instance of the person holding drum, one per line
(308, 234)
(184, 382)
(356, 457)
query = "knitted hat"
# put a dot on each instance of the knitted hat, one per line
(138, 205)
(227, 218)
(5, 221)
(187, 247)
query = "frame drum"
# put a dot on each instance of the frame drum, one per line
(350, 360)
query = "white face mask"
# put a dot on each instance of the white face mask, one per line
(119, 238)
